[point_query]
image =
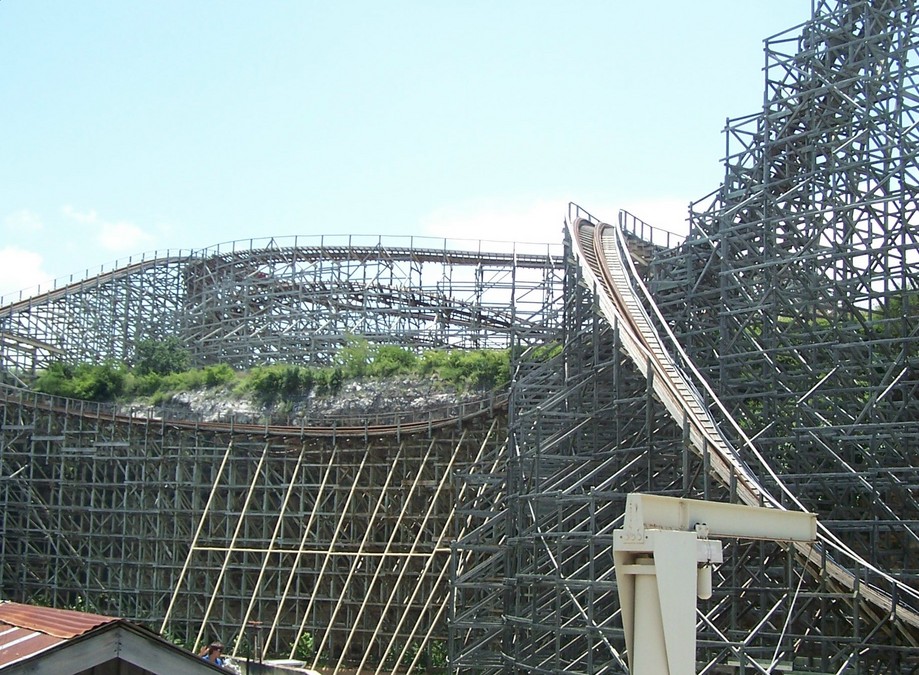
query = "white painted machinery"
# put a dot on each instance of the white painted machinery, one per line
(664, 559)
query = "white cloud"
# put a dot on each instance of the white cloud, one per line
(666, 213)
(22, 221)
(21, 270)
(117, 236)
(123, 237)
(538, 221)
(542, 220)
(87, 217)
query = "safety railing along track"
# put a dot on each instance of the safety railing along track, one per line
(412, 423)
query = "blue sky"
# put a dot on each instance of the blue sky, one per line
(132, 126)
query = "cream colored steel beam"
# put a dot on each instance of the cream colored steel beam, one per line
(330, 552)
(431, 625)
(194, 541)
(387, 551)
(419, 581)
(645, 511)
(661, 556)
(352, 568)
(226, 560)
(443, 599)
(271, 550)
(444, 479)
(300, 551)
(444, 534)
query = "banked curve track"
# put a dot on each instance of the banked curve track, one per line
(450, 416)
(607, 268)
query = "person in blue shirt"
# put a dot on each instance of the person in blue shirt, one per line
(213, 653)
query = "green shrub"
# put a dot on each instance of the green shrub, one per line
(389, 360)
(480, 369)
(215, 376)
(55, 379)
(433, 361)
(162, 386)
(484, 368)
(354, 358)
(269, 383)
(305, 647)
(200, 378)
(328, 380)
(187, 380)
(176, 639)
(90, 382)
(143, 385)
(161, 397)
(437, 654)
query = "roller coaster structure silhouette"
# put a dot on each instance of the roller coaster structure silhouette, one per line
(768, 357)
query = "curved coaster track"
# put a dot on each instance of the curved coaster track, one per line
(534, 589)
(608, 267)
(327, 539)
(783, 373)
(293, 299)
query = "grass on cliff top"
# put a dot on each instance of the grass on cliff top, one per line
(160, 369)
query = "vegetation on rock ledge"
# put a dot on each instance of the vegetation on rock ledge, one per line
(160, 369)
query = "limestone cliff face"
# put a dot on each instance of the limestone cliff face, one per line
(374, 401)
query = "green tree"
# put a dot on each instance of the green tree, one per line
(161, 356)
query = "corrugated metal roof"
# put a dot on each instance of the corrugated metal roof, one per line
(26, 630)
(19, 643)
(62, 623)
